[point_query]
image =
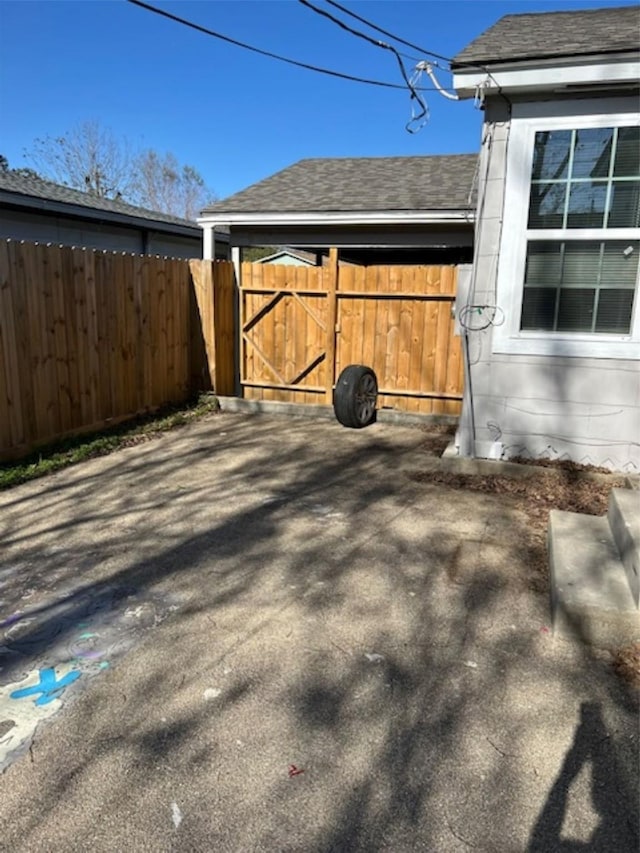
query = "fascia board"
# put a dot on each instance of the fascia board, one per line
(395, 217)
(554, 76)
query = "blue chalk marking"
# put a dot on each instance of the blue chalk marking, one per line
(47, 686)
(104, 664)
(87, 635)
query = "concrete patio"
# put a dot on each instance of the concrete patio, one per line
(306, 650)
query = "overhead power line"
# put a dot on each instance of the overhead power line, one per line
(386, 32)
(423, 109)
(448, 59)
(412, 82)
(177, 19)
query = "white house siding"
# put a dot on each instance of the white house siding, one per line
(583, 409)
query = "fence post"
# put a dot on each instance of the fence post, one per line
(237, 349)
(332, 318)
(202, 326)
(224, 299)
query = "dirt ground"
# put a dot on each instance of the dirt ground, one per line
(559, 485)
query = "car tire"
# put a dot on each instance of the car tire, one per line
(355, 396)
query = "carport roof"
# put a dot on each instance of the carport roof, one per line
(352, 184)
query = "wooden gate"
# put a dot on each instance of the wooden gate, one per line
(300, 326)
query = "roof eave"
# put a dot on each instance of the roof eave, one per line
(78, 211)
(553, 74)
(356, 217)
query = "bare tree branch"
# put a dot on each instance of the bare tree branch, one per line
(92, 159)
(162, 184)
(89, 158)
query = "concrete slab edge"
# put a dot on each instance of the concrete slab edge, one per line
(447, 462)
(514, 470)
(598, 616)
(520, 470)
(274, 407)
(625, 527)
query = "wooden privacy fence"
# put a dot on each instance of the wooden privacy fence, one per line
(90, 338)
(300, 326)
(213, 331)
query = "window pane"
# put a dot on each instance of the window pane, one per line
(625, 205)
(581, 264)
(551, 154)
(587, 202)
(567, 281)
(620, 264)
(583, 179)
(544, 264)
(575, 312)
(592, 153)
(614, 311)
(538, 308)
(627, 163)
(546, 209)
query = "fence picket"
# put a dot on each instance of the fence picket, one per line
(396, 319)
(90, 338)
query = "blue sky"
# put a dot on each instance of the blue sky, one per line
(236, 116)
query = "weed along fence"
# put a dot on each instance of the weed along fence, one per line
(90, 338)
(300, 326)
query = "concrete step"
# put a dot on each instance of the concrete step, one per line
(624, 521)
(590, 594)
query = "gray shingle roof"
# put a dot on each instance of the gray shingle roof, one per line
(549, 34)
(358, 184)
(48, 191)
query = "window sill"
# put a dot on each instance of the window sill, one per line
(563, 346)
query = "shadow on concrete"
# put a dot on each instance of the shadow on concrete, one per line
(408, 696)
(618, 816)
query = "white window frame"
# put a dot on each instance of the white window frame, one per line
(527, 119)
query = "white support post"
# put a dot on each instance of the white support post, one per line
(209, 242)
(235, 258)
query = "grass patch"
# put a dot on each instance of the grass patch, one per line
(70, 451)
